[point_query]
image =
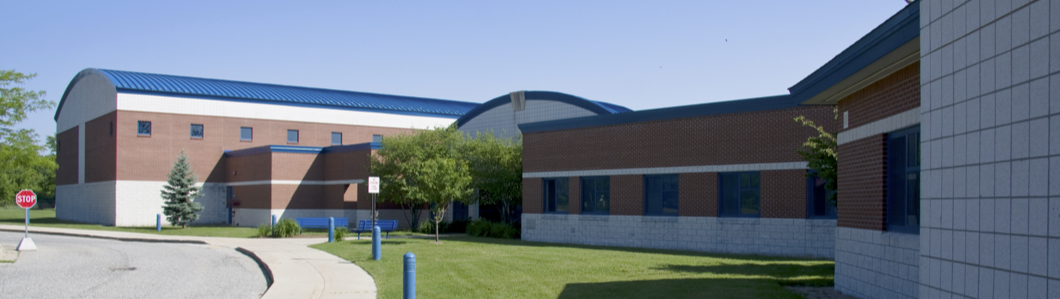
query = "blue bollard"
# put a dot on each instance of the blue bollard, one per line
(331, 229)
(273, 220)
(410, 276)
(377, 247)
(158, 222)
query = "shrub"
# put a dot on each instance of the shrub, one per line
(484, 228)
(340, 233)
(264, 231)
(286, 228)
(459, 226)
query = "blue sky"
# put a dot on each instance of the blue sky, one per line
(641, 55)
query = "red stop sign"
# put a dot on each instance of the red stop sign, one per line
(26, 199)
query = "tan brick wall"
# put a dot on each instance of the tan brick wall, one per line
(627, 195)
(100, 149)
(66, 157)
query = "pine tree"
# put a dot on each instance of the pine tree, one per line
(179, 193)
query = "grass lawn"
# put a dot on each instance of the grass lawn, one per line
(470, 267)
(46, 218)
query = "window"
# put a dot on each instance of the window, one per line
(660, 195)
(377, 138)
(196, 131)
(596, 195)
(292, 136)
(556, 199)
(143, 128)
(111, 128)
(740, 194)
(336, 138)
(903, 180)
(817, 203)
(246, 133)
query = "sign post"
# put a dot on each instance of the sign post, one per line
(373, 188)
(26, 199)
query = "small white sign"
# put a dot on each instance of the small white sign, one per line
(373, 184)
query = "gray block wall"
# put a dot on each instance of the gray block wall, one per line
(782, 237)
(990, 139)
(876, 264)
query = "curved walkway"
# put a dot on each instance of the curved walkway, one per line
(297, 270)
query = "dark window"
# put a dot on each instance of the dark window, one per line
(143, 128)
(246, 133)
(903, 180)
(336, 138)
(196, 131)
(292, 136)
(740, 194)
(377, 138)
(596, 195)
(817, 203)
(556, 199)
(660, 195)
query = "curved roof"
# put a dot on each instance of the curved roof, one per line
(600, 108)
(269, 93)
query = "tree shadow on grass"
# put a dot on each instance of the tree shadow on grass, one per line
(776, 271)
(678, 288)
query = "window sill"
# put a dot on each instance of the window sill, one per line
(596, 213)
(741, 216)
(556, 213)
(141, 135)
(661, 215)
(196, 138)
(244, 140)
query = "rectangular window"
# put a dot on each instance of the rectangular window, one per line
(739, 194)
(903, 181)
(336, 138)
(660, 195)
(246, 133)
(556, 199)
(292, 136)
(377, 138)
(196, 131)
(596, 195)
(818, 204)
(143, 128)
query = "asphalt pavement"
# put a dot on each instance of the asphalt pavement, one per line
(79, 267)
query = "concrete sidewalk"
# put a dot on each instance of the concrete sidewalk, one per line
(297, 270)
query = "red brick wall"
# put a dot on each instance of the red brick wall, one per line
(256, 167)
(574, 193)
(532, 197)
(751, 137)
(863, 183)
(627, 195)
(297, 166)
(253, 197)
(66, 157)
(698, 194)
(783, 193)
(100, 145)
(891, 95)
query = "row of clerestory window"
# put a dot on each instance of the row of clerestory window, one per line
(143, 128)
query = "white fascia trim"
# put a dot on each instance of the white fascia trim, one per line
(892, 123)
(295, 182)
(234, 109)
(670, 170)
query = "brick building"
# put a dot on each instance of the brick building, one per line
(258, 149)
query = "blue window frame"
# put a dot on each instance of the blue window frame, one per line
(660, 195)
(903, 181)
(292, 136)
(740, 194)
(555, 193)
(246, 133)
(143, 128)
(336, 138)
(196, 131)
(596, 195)
(817, 203)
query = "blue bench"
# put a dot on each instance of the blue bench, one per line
(364, 226)
(319, 223)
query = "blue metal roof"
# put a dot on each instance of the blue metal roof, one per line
(600, 108)
(270, 93)
(899, 29)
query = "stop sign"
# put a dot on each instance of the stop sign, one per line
(26, 199)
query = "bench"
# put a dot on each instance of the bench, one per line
(364, 226)
(319, 223)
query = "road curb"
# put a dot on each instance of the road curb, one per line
(108, 237)
(261, 264)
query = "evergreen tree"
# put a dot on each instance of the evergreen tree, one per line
(179, 193)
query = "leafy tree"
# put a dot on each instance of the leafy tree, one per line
(180, 192)
(442, 181)
(392, 163)
(821, 153)
(16, 101)
(22, 165)
(497, 171)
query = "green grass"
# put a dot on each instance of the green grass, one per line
(470, 267)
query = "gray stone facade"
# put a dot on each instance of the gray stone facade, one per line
(876, 264)
(769, 236)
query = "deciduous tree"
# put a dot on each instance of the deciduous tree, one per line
(821, 154)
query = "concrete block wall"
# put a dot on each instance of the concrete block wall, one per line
(87, 203)
(877, 264)
(784, 237)
(990, 139)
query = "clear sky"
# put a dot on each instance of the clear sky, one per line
(642, 55)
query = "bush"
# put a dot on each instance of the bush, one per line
(340, 233)
(264, 231)
(427, 227)
(286, 228)
(484, 228)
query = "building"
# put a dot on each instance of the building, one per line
(258, 149)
